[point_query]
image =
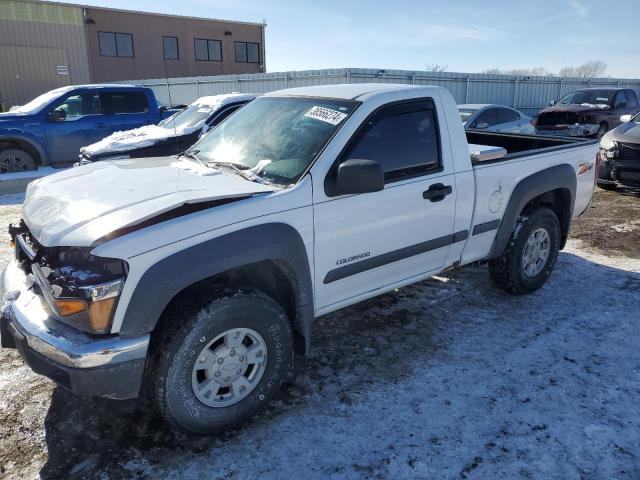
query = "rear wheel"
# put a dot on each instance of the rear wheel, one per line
(218, 364)
(16, 160)
(528, 260)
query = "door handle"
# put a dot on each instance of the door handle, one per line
(437, 192)
(101, 125)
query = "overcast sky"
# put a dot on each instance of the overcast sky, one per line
(468, 36)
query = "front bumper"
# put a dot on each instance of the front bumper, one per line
(575, 130)
(92, 365)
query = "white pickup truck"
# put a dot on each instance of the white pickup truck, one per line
(194, 278)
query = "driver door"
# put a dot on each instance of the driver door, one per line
(76, 121)
(367, 242)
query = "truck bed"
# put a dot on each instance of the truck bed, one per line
(518, 145)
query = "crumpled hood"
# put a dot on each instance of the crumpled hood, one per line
(78, 206)
(627, 132)
(572, 108)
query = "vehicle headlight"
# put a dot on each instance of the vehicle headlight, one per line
(608, 144)
(84, 295)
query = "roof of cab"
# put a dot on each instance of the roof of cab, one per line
(347, 91)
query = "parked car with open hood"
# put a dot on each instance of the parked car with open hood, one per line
(51, 128)
(620, 155)
(590, 112)
(197, 276)
(495, 118)
(171, 136)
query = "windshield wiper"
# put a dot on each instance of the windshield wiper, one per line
(252, 177)
(191, 154)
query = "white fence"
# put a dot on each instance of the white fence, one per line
(528, 94)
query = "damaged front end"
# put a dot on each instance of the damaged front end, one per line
(58, 307)
(81, 290)
(567, 124)
(620, 163)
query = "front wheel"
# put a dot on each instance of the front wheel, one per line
(218, 364)
(16, 160)
(528, 260)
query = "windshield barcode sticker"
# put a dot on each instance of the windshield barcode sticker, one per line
(326, 115)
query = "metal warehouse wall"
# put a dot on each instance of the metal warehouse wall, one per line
(36, 38)
(528, 94)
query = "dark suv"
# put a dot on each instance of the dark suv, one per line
(590, 112)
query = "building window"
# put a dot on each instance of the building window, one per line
(115, 44)
(247, 52)
(208, 50)
(170, 47)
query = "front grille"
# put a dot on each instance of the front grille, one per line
(629, 151)
(557, 118)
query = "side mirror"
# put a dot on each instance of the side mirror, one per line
(626, 118)
(620, 105)
(359, 176)
(552, 103)
(57, 116)
(482, 125)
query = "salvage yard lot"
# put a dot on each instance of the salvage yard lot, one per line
(449, 378)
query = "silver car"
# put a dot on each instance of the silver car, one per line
(495, 118)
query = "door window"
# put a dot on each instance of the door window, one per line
(506, 115)
(125, 102)
(77, 106)
(632, 101)
(403, 139)
(488, 117)
(620, 101)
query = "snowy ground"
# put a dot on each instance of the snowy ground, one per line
(449, 378)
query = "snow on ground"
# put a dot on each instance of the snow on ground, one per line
(449, 378)
(40, 172)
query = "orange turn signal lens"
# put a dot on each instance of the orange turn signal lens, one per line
(67, 308)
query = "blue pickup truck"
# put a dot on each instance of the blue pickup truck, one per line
(50, 129)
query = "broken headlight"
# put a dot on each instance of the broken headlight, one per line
(609, 147)
(82, 290)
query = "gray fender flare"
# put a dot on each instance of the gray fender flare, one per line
(33, 142)
(553, 178)
(165, 279)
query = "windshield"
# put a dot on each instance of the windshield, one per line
(40, 102)
(189, 119)
(276, 137)
(466, 113)
(588, 97)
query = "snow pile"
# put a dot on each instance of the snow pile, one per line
(129, 139)
(169, 128)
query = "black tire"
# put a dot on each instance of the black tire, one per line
(507, 271)
(16, 160)
(181, 343)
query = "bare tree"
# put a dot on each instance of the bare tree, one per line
(528, 72)
(436, 67)
(591, 69)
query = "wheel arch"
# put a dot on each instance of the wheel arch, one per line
(271, 258)
(23, 142)
(554, 188)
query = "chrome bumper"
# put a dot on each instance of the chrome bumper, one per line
(30, 320)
